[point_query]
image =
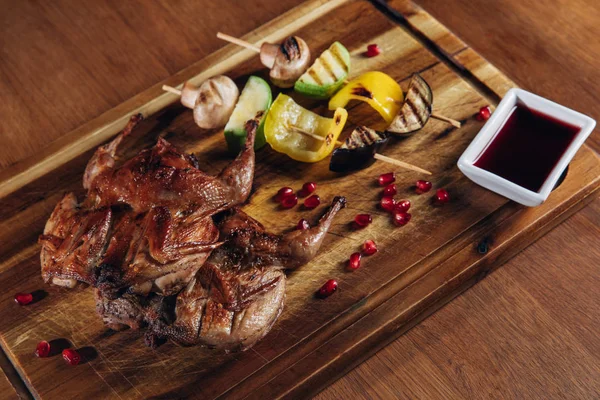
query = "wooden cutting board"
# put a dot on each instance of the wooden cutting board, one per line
(418, 269)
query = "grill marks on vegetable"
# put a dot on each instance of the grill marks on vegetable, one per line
(358, 150)
(416, 109)
(362, 136)
(328, 68)
(418, 113)
(362, 91)
(328, 139)
(335, 52)
(418, 101)
(290, 48)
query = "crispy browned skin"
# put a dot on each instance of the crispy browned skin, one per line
(163, 176)
(73, 242)
(145, 226)
(159, 251)
(146, 231)
(239, 292)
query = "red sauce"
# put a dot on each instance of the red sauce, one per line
(527, 147)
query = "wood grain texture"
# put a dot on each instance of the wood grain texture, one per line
(530, 329)
(148, 102)
(22, 253)
(11, 384)
(66, 62)
(549, 49)
(7, 392)
(123, 368)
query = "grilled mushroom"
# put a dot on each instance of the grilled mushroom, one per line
(213, 102)
(287, 61)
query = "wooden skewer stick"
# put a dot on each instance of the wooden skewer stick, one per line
(171, 89)
(377, 156)
(239, 42)
(399, 163)
(310, 134)
(451, 121)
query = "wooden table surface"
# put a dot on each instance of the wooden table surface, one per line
(529, 330)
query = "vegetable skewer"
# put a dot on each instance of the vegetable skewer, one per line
(212, 102)
(286, 61)
(312, 135)
(361, 149)
(384, 94)
(377, 89)
(417, 109)
(239, 42)
(327, 74)
(254, 103)
(300, 133)
(375, 155)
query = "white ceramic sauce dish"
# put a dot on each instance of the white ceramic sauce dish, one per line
(493, 126)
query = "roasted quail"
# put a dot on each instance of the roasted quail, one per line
(165, 246)
(239, 292)
(145, 226)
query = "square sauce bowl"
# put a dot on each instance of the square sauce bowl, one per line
(522, 150)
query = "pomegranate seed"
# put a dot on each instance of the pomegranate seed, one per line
(354, 262)
(23, 299)
(289, 201)
(43, 349)
(373, 50)
(369, 247)
(423, 186)
(303, 225)
(71, 356)
(283, 192)
(386, 179)
(401, 218)
(307, 188)
(328, 288)
(387, 203)
(402, 206)
(362, 220)
(484, 113)
(312, 202)
(442, 196)
(390, 190)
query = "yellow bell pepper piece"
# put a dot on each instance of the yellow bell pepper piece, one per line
(287, 120)
(377, 89)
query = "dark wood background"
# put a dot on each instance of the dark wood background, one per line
(529, 330)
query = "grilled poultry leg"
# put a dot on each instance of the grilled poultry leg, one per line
(239, 175)
(163, 176)
(104, 157)
(287, 251)
(239, 292)
(145, 226)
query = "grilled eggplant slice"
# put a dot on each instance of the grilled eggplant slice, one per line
(416, 110)
(358, 150)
